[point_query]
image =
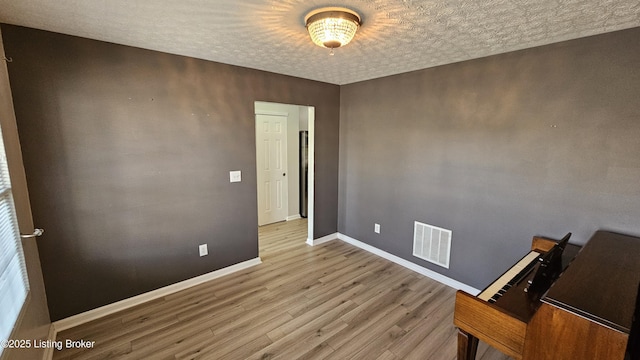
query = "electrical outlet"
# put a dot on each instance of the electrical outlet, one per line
(203, 250)
(376, 228)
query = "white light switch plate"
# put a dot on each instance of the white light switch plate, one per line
(235, 176)
(203, 250)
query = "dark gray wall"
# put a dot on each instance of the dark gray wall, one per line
(536, 142)
(127, 155)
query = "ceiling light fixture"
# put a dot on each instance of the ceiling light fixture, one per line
(332, 27)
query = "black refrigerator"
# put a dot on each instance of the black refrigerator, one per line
(304, 161)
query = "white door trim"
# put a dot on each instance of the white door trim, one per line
(311, 172)
(269, 112)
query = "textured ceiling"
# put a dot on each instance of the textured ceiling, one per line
(396, 36)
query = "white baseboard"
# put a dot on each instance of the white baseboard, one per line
(102, 311)
(409, 265)
(48, 351)
(294, 217)
(324, 239)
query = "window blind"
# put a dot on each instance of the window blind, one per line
(13, 275)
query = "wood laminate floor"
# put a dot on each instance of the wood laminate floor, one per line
(332, 301)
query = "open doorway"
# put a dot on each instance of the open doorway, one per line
(284, 177)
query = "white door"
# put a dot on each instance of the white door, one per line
(271, 156)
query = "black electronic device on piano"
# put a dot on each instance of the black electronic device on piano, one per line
(549, 268)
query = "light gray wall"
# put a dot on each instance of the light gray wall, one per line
(304, 119)
(536, 142)
(127, 155)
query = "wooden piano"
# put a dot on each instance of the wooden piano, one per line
(586, 314)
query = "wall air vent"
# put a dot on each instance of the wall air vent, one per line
(432, 243)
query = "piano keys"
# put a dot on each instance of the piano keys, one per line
(510, 278)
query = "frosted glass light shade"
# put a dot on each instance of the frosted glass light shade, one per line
(332, 27)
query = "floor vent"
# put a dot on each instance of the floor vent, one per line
(432, 243)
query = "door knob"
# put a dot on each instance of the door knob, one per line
(36, 233)
(284, 174)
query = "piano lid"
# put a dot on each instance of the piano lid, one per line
(602, 281)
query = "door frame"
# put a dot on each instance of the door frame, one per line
(310, 164)
(311, 172)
